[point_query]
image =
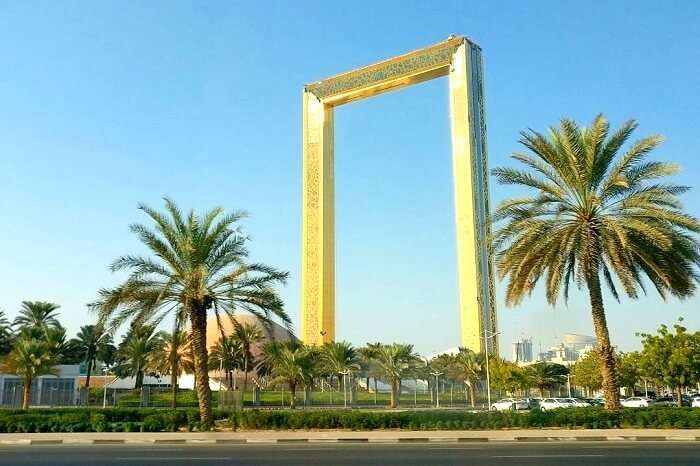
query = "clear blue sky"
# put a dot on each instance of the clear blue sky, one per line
(106, 104)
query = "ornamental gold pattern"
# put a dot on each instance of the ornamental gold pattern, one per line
(460, 60)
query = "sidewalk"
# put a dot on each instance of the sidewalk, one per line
(336, 436)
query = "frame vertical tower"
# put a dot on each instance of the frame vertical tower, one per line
(460, 60)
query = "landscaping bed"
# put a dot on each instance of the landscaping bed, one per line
(160, 420)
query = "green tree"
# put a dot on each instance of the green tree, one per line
(504, 375)
(290, 363)
(596, 213)
(671, 358)
(396, 362)
(226, 355)
(29, 359)
(94, 344)
(629, 369)
(248, 335)
(172, 359)
(6, 334)
(340, 358)
(37, 317)
(586, 372)
(469, 370)
(368, 364)
(139, 352)
(198, 264)
(547, 375)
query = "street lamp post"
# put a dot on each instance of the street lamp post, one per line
(345, 385)
(488, 377)
(104, 395)
(437, 387)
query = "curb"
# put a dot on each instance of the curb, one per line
(358, 440)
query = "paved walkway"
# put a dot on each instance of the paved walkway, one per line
(337, 436)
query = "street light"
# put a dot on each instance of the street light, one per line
(104, 395)
(486, 338)
(345, 384)
(437, 387)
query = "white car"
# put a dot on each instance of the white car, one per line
(578, 403)
(695, 402)
(555, 403)
(509, 404)
(637, 402)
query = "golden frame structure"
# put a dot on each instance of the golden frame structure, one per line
(460, 60)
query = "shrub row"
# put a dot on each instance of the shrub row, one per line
(154, 420)
(588, 418)
(102, 420)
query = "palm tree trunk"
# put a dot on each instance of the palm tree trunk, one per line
(394, 390)
(27, 393)
(245, 380)
(679, 393)
(472, 394)
(174, 370)
(611, 388)
(293, 398)
(87, 377)
(198, 317)
(541, 392)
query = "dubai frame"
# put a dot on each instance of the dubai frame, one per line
(460, 60)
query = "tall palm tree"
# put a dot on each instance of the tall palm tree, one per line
(37, 317)
(368, 354)
(29, 359)
(545, 375)
(226, 355)
(290, 363)
(340, 358)
(138, 353)
(469, 369)
(94, 344)
(199, 263)
(396, 362)
(6, 334)
(596, 214)
(248, 335)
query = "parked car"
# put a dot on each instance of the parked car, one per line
(509, 404)
(696, 402)
(637, 402)
(578, 402)
(555, 403)
(596, 401)
(666, 401)
(533, 403)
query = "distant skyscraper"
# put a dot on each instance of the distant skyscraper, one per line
(522, 350)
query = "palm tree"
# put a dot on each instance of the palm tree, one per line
(396, 362)
(368, 354)
(546, 375)
(94, 344)
(171, 360)
(290, 363)
(340, 358)
(6, 334)
(37, 317)
(226, 355)
(29, 359)
(469, 369)
(138, 353)
(596, 214)
(198, 264)
(248, 335)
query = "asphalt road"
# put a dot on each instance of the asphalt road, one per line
(491, 454)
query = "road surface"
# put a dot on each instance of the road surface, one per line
(486, 454)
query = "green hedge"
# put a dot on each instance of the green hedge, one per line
(589, 418)
(155, 420)
(102, 420)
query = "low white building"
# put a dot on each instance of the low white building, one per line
(47, 390)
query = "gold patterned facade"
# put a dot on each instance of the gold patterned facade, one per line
(460, 60)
